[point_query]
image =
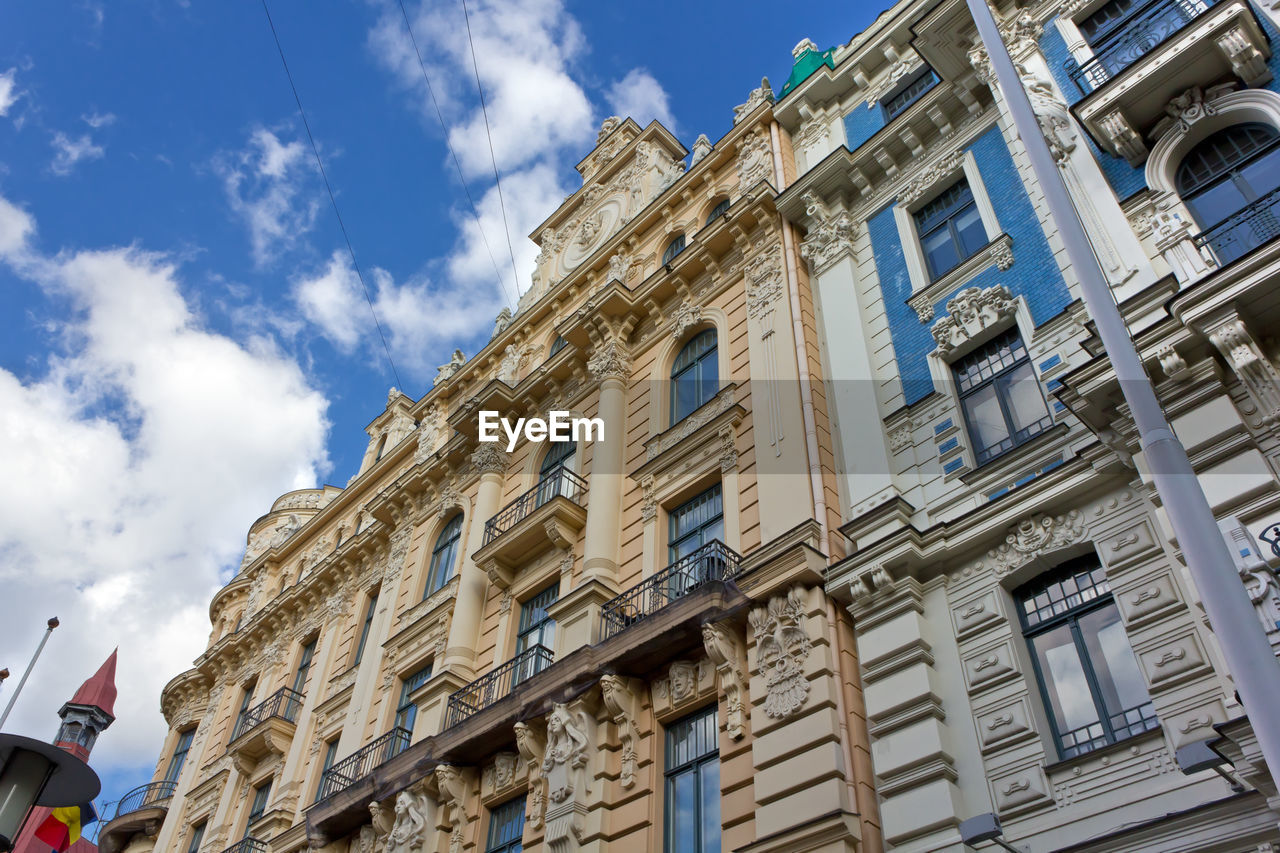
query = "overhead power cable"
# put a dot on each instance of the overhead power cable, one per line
(332, 199)
(485, 111)
(457, 165)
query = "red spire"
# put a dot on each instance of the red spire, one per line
(100, 690)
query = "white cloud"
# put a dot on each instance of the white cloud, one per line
(140, 454)
(265, 186)
(98, 120)
(68, 152)
(9, 93)
(641, 97)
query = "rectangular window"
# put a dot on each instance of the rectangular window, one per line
(407, 711)
(245, 701)
(950, 229)
(536, 628)
(330, 755)
(180, 751)
(692, 525)
(897, 103)
(259, 805)
(506, 827)
(692, 784)
(304, 667)
(364, 628)
(1000, 396)
(1088, 675)
(197, 837)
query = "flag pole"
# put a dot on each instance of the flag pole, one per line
(1232, 618)
(52, 623)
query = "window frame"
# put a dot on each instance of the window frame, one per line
(303, 670)
(720, 208)
(367, 625)
(181, 749)
(437, 580)
(712, 493)
(330, 759)
(946, 219)
(1100, 598)
(197, 836)
(703, 393)
(710, 718)
(258, 805)
(557, 344)
(892, 112)
(406, 715)
(512, 812)
(674, 247)
(981, 456)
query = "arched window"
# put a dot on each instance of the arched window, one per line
(558, 344)
(551, 480)
(1229, 182)
(720, 209)
(694, 376)
(444, 556)
(674, 248)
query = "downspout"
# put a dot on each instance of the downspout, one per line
(815, 465)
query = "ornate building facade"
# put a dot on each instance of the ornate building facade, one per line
(868, 547)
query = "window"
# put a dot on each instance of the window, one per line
(259, 806)
(304, 667)
(180, 751)
(407, 711)
(444, 556)
(558, 344)
(693, 784)
(695, 375)
(550, 480)
(330, 755)
(950, 229)
(364, 628)
(1088, 674)
(695, 523)
(1000, 397)
(674, 248)
(506, 827)
(897, 103)
(1229, 183)
(245, 701)
(721, 208)
(197, 837)
(382, 446)
(536, 628)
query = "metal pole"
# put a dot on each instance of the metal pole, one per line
(52, 623)
(1248, 655)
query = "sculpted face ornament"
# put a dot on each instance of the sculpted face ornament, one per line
(782, 648)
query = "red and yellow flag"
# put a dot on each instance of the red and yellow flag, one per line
(61, 828)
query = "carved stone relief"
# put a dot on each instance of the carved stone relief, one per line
(970, 312)
(755, 159)
(622, 699)
(453, 783)
(728, 654)
(782, 650)
(532, 746)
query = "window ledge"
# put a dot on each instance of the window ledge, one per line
(1111, 752)
(1001, 467)
(999, 252)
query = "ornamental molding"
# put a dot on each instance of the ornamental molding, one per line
(488, 459)
(728, 654)
(453, 783)
(686, 316)
(924, 180)
(970, 313)
(814, 133)
(721, 403)
(1032, 537)
(649, 500)
(783, 646)
(1251, 365)
(998, 252)
(622, 699)
(532, 745)
(1119, 136)
(430, 429)
(756, 97)
(763, 274)
(830, 235)
(404, 828)
(755, 160)
(611, 360)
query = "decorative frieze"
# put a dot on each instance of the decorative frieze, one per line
(782, 649)
(1034, 536)
(928, 177)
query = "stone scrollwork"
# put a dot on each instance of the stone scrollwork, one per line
(830, 234)
(453, 783)
(532, 747)
(728, 654)
(687, 316)
(488, 459)
(930, 175)
(1118, 135)
(1034, 536)
(622, 700)
(1257, 373)
(782, 649)
(970, 312)
(764, 282)
(610, 361)
(755, 159)
(761, 95)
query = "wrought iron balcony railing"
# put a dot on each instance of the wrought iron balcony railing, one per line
(713, 561)
(489, 688)
(1245, 230)
(248, 845)
(284, 703)
(558, 482)
(1132, 38)
(145, 796)
(363, 761)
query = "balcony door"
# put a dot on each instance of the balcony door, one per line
(693, 525)
(1229, 182)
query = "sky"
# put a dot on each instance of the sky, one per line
(184, 337)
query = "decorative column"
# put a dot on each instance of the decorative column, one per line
(464, 628)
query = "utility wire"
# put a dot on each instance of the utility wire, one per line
(457, 165)
(485, 110)
(332, 199)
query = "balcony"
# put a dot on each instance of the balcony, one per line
(1243, 231)
(1163, 49)
(496, 685)
(714, 561)
(142, 808)
(248, 845)
(547, 516)
(266, 728)
(363, 761)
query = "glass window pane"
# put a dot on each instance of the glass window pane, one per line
(1113, 660)
(969, 230)
(686, 395)
(1263, 174)
(683, 818)
(1216, 203)
(709, 372)
(939, 251)
(1022, 396)
(1064, 680)
(986, 420)
(710, 783)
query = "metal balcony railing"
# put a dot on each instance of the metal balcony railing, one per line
(713, 561)
(489, 688)
(1245, 230)
(558, 482)
(1132, 38)
(145, 796)
(248, 845)
(284, 703)
(363, 761)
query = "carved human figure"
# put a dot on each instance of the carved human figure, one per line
(1050, 112)
(408, 830)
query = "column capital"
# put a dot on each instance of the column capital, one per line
(610, 360)
(830, 234)
(488, 459)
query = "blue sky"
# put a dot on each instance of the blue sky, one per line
(183, 336)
